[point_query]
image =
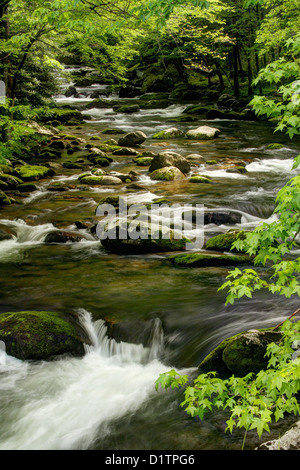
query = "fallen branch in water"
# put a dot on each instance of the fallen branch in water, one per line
(293, 314)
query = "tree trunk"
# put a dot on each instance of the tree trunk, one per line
(236, 85)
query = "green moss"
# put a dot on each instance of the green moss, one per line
(202, 260)
(40, 335)
(275, 146)
(4, 199)
(165, 134)
(166, 174)
(113, 200)
(109, 148)
(156, 104)
(201, 110)
(211, 162)
(200, 179)
(241, 353)
(33, 172)
(68, 136)
(186, 118)
(143, 161)
(113, 131)
(103, 162)
(26, 187)
(224, 241)
(6, 169)
(133, 108)
(91, 180)
(61, 115)
(237, 169)
(11, 181)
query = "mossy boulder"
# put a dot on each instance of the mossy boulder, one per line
(95, 152)
(170, 159)
(11, 181)
(200, 179)
(155, 104)
(224, 241)
(104, 180)
(41, 335)
(241, 354)
(146, 243)
(203, 133)
(143, 161)
(237, 169)
(171, 133)
(113, 131)
(203, 260)
(132, 139)
(127, 109)
(169, 173)
(275, 146)
(34, 172)
(26, 187)
(61, 236)
(125, 151)
(198, 110)
(60, 115)
(4, 199)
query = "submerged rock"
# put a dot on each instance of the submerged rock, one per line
(41, 335)
(145, 243)
(203, 260)
(128, 109)
(241, 354)
(220, 217)
(5, 235)
(61, 236)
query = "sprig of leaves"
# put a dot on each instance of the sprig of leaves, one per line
(253, 401)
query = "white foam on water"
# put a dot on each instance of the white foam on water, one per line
(65, 404)
(222, 173)
(272, 165)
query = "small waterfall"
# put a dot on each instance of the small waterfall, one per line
(67, 403)
(126, 352)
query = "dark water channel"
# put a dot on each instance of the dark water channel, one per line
(107, 400)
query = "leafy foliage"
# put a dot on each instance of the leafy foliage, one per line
(254, 401)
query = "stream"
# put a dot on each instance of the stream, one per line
(107, 399)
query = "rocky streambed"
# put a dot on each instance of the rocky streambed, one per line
(139, 305)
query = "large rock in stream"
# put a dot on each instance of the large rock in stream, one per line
(241, 354)
(203, 133)
(139, 238)
(32, 335)
(168, 158)
(132, 139)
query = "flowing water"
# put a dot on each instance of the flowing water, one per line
(107, 399)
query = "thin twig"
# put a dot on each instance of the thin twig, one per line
(295, 313)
